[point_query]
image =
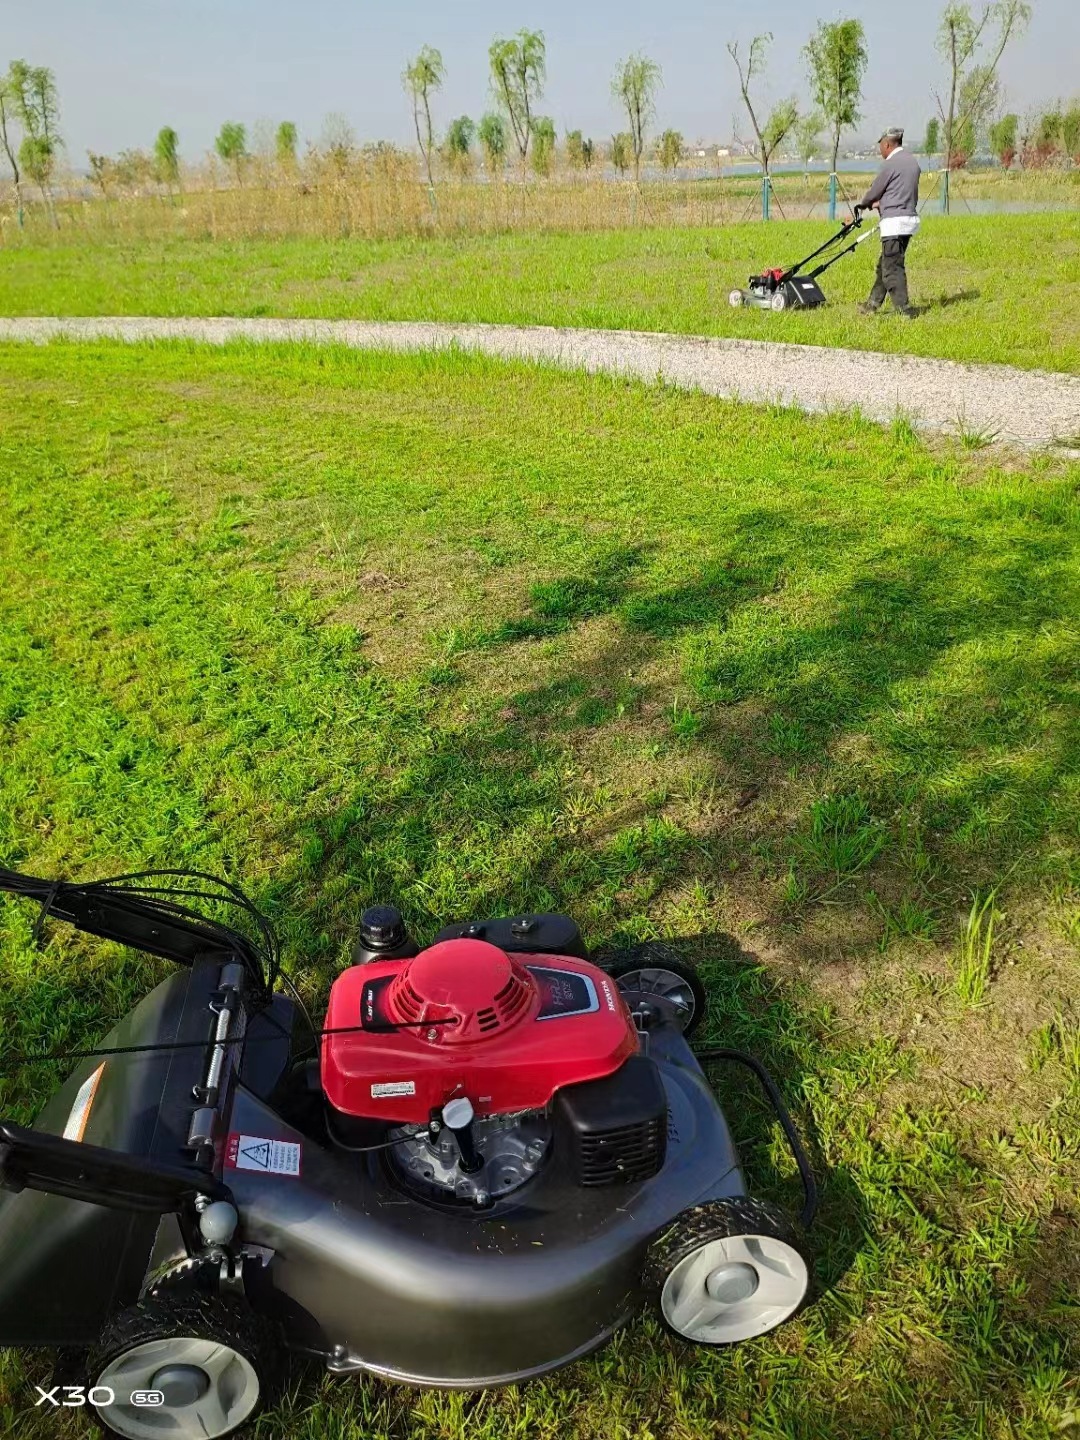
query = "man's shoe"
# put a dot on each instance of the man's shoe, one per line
(908, 313)
(867, 309)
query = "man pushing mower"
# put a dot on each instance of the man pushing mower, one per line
(894, 193)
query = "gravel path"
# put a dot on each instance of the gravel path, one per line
(1026, 407)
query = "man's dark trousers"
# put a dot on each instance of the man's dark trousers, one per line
(891, 278)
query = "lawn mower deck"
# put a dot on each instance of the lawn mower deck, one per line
(493, 1154)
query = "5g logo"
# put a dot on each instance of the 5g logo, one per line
(147, 1397)
(99, 1395)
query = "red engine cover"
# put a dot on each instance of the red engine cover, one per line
(520, 1027)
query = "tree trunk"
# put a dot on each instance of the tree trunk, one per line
(951, 118)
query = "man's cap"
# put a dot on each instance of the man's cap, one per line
(894, 132)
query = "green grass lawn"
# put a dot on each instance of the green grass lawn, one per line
(477, 638)
(1003, 288)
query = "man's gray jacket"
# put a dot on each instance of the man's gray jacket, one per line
(895, 187)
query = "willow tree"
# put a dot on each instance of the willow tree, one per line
(33, 98)
(167, 156)
(836, 60)
(634, 86)
(518, 72)
(421, 78)
(491, 132)
(460, 134)
(669, 149)
(231, 146)
(285, 139)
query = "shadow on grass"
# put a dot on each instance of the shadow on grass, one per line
(944, 302)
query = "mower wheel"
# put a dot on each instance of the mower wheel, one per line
(728, 1270)
(201, 1365)
(735, 299)
(778, 301)
(651, 974)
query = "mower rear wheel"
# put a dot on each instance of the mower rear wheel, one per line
(778, 301)
(728, 1270)
(202, 1365)
(735, 299)
(652, 975)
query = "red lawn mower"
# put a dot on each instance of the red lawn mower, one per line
(492, 1154)
(790, 289)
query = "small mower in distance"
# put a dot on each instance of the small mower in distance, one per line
(493, 1154)
(790, 289)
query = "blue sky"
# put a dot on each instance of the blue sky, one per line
(127, 67)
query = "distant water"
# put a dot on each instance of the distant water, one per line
(702, 170)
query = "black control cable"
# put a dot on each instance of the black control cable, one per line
(787, 1124)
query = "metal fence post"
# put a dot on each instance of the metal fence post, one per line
(832, 196)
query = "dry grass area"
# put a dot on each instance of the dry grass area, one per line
(377, 193)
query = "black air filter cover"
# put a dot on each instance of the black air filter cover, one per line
(614, 1131)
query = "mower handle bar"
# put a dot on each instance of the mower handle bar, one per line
(846, 251)
(845, 230)
(36, 1160)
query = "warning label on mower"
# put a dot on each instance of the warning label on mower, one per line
(393, 1087)
(256, 1152)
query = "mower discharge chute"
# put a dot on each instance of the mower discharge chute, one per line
(491, 1156)
(790, 289)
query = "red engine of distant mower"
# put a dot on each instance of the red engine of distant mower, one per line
(465, 1018)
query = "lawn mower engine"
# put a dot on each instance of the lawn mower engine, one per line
(492, 1154)
(473, 1059)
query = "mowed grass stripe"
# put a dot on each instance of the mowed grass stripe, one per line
(478, 637)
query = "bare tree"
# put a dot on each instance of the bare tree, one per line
(635, 85)
(421, 78)
(961, 37)
(783, 116)
(518, 72)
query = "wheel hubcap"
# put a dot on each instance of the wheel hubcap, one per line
(178, 1389)
(181, 1384)
(733, 1289)
(731, 1283)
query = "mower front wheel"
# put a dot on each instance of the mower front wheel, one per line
(735, 299)
(187, 1366)
(778, 301)
(728, 1270)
